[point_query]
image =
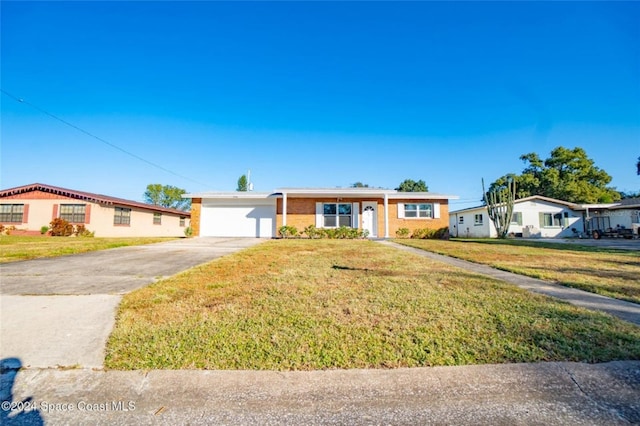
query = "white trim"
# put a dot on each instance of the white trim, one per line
(436, 210)
(386, 215)
(319, 214)
(284, 209)
(355, 217)
(400, 210)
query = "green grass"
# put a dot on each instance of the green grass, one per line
(318, 304)
(15, 247)
(609, 272)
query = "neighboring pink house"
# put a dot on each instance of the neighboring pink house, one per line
(28, 208)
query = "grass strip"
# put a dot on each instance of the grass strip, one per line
(15, 247)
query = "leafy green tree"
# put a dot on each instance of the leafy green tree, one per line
(568, 174)
(243, 184)
(166, 196)
(409, 185)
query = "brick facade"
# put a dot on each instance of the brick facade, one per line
(301, 212)
(196, 209)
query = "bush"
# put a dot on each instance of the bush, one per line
(431, 234)
(288, 231)
(312, 232)
(343, 233)
(44, 229)
(82, 231)
(188, 231)
(6, 230)
(402, 233)
(61, 228)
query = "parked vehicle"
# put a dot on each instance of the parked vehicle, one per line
(600, 226)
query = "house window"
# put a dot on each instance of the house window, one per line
(73, 213)
(122, 216)
(516, 218)
(478, 219)
(157, 218)
(418, 210)
(550, 220)
(461, 220)
(182, 220)
(336, 215)
(11, 213)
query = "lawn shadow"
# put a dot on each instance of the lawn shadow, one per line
(15, 412)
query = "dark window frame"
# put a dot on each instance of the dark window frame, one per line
(77, 213)
(120, 218)
(13, 215)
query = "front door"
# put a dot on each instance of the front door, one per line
(370, 218)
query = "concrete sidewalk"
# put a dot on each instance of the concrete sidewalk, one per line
(508, 394)
(626, 311)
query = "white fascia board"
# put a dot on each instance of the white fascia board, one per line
(468, 210)
(421, 196)
(363, 193)
(233, 195)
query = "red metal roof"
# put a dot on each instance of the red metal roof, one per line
(89, 196)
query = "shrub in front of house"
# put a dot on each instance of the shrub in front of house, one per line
(82, 231)
(402, 233)
(44, 229)
(61, 228)
(342, 233)
(431, 234)
(312, 232)
(288, 231)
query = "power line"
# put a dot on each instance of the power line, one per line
(137, 157)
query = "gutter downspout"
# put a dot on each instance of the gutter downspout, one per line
(386, 215)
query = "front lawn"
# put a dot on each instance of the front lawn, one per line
(609, 272)
(318, 304)
(16, 247)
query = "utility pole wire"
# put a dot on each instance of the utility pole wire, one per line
(137, 157)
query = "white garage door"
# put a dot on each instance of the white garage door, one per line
(244, 220)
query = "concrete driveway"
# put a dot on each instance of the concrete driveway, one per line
(59, 312)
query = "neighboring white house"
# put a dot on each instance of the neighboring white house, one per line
(543, 217)
(535, 216)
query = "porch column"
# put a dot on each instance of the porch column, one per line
(386, 215)
(284, 209)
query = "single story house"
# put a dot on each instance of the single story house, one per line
(544, 217)
(28, 208)
(260, 214)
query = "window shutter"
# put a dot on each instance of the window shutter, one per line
(436, 210)
(541, 218)
(87, 214)
(400, 210)
(319, 212)
(355, 219)
(25, 214)
(565, 217)
(54, 215)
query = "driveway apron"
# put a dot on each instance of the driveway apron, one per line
(58, 312)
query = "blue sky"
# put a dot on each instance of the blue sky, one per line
(314, 94)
